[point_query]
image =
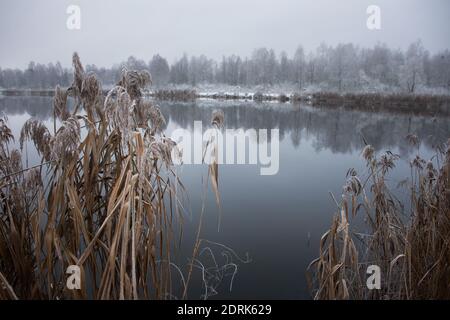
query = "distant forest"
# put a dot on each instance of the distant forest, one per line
(344, 67)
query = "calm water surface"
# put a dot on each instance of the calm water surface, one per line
(277, 220)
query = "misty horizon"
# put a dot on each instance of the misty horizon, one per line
(36, 31)
(66, 61)
(345, 67)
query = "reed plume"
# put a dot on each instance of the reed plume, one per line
(37, 132)
(134, 81)
(6, 135)
(66, 142)
(218, 118)
(78, 74)
(60, 104)
(91, 92)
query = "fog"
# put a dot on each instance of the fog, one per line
(113, 30)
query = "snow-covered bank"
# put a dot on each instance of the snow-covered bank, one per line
(289, 89)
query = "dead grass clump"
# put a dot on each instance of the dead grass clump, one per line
(411, 250)
(107, 200)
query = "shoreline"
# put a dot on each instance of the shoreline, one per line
(427, 104)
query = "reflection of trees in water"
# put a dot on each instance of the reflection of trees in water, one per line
(36, 106)
(39, 107)
(337, 130)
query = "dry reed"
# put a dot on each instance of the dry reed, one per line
(411, 250)
(108, 201)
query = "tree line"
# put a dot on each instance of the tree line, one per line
(344, 67)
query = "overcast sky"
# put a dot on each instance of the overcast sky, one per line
(113, 30)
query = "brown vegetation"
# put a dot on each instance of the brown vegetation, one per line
(108, 201)
(411, 250)
(405, 103)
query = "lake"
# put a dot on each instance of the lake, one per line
(276, 220)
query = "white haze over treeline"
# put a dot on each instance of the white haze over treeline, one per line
(344, 67)
(111, 31)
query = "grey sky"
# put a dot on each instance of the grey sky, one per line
(113, 30)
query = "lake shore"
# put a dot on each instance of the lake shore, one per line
(423, 104)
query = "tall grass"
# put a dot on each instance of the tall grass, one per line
(105, 197)
(410, 243)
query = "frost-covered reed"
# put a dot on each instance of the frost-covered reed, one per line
(409, 242)
(105, 198)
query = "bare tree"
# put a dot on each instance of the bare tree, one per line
(412, 72)
(160, 70)
(299, 66)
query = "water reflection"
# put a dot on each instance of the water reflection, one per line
(337, 130)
